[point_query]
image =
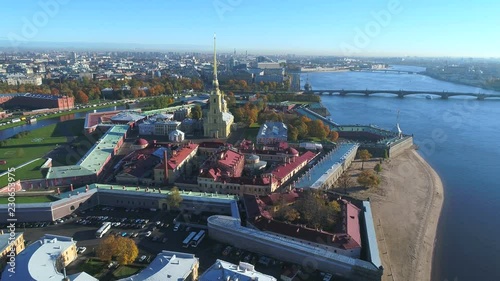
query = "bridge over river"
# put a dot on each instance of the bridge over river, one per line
(402, 93)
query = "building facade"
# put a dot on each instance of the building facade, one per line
(218, 121)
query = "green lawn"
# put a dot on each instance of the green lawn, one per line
(92, 267)
(30, 171)
(125, 271)
(29, 199)
(37, 143)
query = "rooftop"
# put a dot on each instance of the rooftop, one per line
(127, 116)
(283, 170)
(226, 271)
(181, 155)
(234, 225)
(4, 240)
(36, 96)
(94, 159)
(167, 266)
(103, 148)
(273, 130)
(38, 260)
(319, 173)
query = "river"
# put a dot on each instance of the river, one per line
(459, 138)
(7, 133)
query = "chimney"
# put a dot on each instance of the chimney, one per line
(165, 167)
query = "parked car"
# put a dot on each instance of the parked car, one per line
(148, 233)
(81, 250)
(142, 258)
(176, 226)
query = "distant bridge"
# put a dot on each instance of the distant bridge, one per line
(401, 93)
(387, 71)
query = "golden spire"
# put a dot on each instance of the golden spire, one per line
(216, 82)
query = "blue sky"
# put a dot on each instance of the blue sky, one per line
(331, 27)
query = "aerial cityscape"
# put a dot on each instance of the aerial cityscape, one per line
(237, 140)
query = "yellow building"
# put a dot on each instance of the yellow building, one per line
(217, 123)
(44, 259)
(6, 243)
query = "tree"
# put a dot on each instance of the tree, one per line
(345, 181)
(135, 92)
(54, 91)
(196, 113)
(368, 179)
(364, 155)
(105, 249)
(126, 251)
(123, 249)
(333, 135)
(174, 199)
(378, 168)
(81, 97)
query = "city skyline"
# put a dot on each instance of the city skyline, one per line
(380, 28)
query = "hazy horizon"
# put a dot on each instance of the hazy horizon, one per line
(392, 28)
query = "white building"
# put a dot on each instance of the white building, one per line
(14, 80)
(272, 132)
(158, 126)
(226, 271)
(44, 259)
(176, 136)
(169, 266)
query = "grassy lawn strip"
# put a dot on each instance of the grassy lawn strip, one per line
(30, 171)
(125, 271)
(37, 143)
(92, 267)
(29, 199)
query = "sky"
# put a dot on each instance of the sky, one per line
(457, 28)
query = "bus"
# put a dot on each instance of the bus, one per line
(188, 239)
(104, 228)
(198, 238)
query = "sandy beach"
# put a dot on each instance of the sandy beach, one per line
(406, 209)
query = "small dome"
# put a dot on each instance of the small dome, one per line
(253, 157)
(142, 142)
(292, 151)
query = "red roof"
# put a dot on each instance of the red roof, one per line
(283, 170)
(292, 151)
(211, 144)
(96, 118)
(142, 142)
(352, 221)
(230, 158)
(181, 155)
(261, 218)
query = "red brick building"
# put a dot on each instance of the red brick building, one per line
(36, 101)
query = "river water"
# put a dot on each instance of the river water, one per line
(7, 133)
(459, 138)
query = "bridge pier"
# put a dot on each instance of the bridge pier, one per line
(401, 95)
(481, 96)
(444, 96)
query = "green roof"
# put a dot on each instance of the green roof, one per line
(167, 109)
(94, 159)
(103, 148)
(68, 171)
